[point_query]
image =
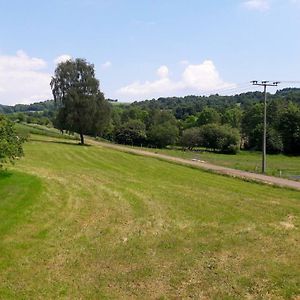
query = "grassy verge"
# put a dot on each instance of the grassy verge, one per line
(107, 224)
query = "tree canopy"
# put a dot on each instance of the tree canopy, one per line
(82, 107)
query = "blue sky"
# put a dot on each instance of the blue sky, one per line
(149, 48)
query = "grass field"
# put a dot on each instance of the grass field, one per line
(85, 222)
(277, 165)
(28, 129)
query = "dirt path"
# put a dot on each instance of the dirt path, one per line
(204, 165)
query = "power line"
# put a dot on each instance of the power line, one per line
(235, 87)
(287, 81)
(265, 84)
(244, 87)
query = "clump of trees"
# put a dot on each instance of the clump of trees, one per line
(82, 106)
(134, 126)
(40, 118)
(132, 132)
(214, 137)
(283, 131)
(10, 142)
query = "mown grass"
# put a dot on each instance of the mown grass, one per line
(278, 165)
(27, 129)
(106, 224)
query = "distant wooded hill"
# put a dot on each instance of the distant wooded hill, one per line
(34, 107)
(190, 105)
(220, 123)
(48, 105)
(182, 106)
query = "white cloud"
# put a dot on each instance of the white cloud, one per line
(201, 78)
(148, 88)
(260, 5)
(163, 72)
(21, 61)
(62, 58)
(106, 65)
(23, 79)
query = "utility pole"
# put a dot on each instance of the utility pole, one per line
(265, 84)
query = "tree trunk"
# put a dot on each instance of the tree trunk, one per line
(81, 138)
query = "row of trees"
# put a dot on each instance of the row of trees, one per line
(223, 130)
(40, 118)
(219, 123)
(155, 128)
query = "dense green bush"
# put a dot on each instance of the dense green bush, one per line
(208, 116)
(10, 142)
(131, 133)
(274, 140)
(162, 135)
(191, 138)
(289, 128)
(221, 138)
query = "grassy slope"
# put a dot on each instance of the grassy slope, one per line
(244, 160)
(101, 223)
(27, 129)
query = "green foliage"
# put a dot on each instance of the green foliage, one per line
(10, 142)
(243, 112)
(290, 129)
(233, 117)
(82, 107)
(162, 129)
(132, 133)
(208, 116)
(162, 135)
(220, 137)
(274, 141)
(251, 126)
(189, 122)
(134, 113)
(34, 107)
(191, 105)
(158, 117)
(283, 128)
(191, 138)
(41, 118)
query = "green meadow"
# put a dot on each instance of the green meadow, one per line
(87, 222)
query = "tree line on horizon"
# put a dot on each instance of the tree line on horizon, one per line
(218, 123)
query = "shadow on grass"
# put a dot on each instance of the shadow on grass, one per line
(4, 173)
(61, 142)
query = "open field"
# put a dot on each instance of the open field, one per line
(250, 161)
(85, 222)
